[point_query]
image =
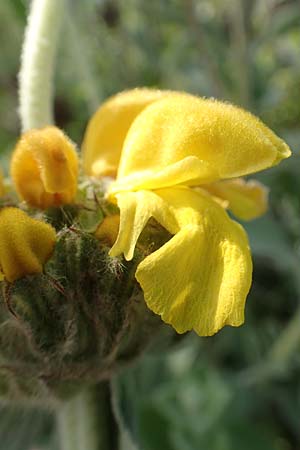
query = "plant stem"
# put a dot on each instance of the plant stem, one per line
(86, 421)
(37, 63)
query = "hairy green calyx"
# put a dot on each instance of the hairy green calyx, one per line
(83, 317)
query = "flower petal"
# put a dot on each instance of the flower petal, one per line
(44, 168)
(230, 141)
(246, 199)
(136, 208)
(25, 244)
(200, 278)
(106, 131)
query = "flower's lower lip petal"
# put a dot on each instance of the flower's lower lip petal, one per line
(200, 278)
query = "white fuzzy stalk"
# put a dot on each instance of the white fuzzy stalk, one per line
(37, 63)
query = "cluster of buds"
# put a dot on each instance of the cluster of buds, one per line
(70, 314)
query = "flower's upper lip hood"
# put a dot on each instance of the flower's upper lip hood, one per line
(192, 141)
(140, 134)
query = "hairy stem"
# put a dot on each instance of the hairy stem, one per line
(37, 63)
(86, 421)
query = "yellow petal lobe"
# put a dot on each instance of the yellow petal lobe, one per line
(106, 131)
(226, 142)
(200, 278)
(44, 168)
(25, 244)
(136, 209)
(246, 199)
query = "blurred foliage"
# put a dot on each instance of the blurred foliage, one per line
(240, 388)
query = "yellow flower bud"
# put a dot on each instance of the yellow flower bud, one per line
(25, 244)
(108, 229)
(2, 187)
(44, 168)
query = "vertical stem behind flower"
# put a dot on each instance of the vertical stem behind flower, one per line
(37, 63)
(86, 421)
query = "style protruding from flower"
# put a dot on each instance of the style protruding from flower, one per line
(26, 244)
(44, 168)
(180, 163)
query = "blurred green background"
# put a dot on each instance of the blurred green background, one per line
(241, 388)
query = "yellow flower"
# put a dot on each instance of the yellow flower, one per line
(44, 168)
(178, 163)
(25, 244)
